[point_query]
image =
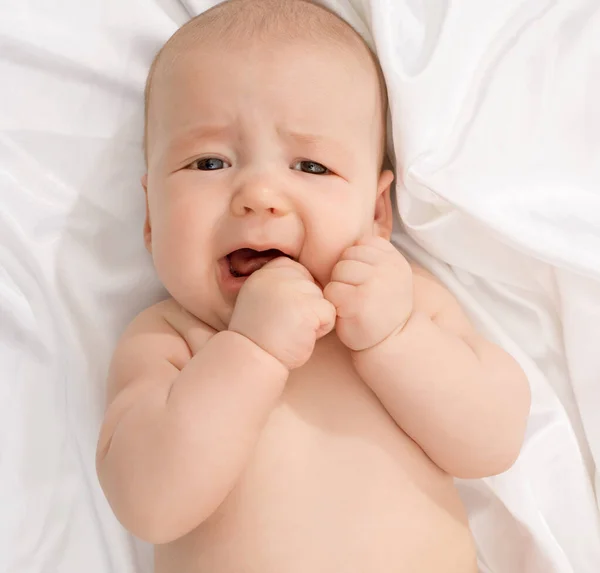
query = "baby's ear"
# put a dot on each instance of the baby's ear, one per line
(383, 220)
(147, 224)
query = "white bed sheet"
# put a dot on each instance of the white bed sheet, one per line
(496, 115)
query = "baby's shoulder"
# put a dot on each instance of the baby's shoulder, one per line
(164, 337)
(175, 326)
(152, 351)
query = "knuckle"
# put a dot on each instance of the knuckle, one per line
(333, 289)
(350, 252)
(378, 241)
(370, 240)
(402, 266)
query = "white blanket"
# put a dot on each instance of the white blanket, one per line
(496, 116)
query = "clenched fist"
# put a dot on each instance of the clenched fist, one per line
(372, 290)
(282, 310)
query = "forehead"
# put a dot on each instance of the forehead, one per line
(320, 86)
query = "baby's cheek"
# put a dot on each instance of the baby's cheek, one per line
(323, 273)
(173, 253)
(331, 229)
(325, 256)
(167, 262)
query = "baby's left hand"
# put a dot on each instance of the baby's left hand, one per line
(372, 290)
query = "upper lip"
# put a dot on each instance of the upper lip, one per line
(264, 246)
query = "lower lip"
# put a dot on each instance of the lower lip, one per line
(229, 283)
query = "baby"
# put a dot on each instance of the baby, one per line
(305, 398)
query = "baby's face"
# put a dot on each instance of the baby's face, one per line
(271, 148)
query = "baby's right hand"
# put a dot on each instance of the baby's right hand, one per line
(282, 310)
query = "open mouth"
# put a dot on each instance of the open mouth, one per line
(244, 262)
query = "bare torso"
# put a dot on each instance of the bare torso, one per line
(333, 486)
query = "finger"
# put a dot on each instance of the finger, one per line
(364, 254)
(326, 314)
(376, 242)
(289, 265)
(307, 287)
(341, 295)
(385, 247)
(351, 272)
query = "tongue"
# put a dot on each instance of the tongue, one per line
(246, 261)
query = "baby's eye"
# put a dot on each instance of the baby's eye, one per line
(311, 167)
(209, 164)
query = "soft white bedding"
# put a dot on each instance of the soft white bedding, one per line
(496, 115)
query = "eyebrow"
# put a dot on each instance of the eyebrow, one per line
(225, 131)
(203, 131)
(309, 138)
(338, 147)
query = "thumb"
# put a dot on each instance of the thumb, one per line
(326, 314)
(290, 266)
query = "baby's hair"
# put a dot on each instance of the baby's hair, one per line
(242, 21)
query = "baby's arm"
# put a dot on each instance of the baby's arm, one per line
(464, 400)
(185, 408)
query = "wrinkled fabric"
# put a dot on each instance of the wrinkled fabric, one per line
(496, 121)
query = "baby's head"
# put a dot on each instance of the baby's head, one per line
(265, 131)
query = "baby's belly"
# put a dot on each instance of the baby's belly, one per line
(334, 486)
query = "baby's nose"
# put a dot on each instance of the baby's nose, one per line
(260, 197)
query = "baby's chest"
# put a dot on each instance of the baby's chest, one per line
(326, 406)
(328, 460)
(328, 393)
(328, 449)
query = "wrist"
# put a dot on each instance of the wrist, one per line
(256, 354)
(382, 342)
(392, 345)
